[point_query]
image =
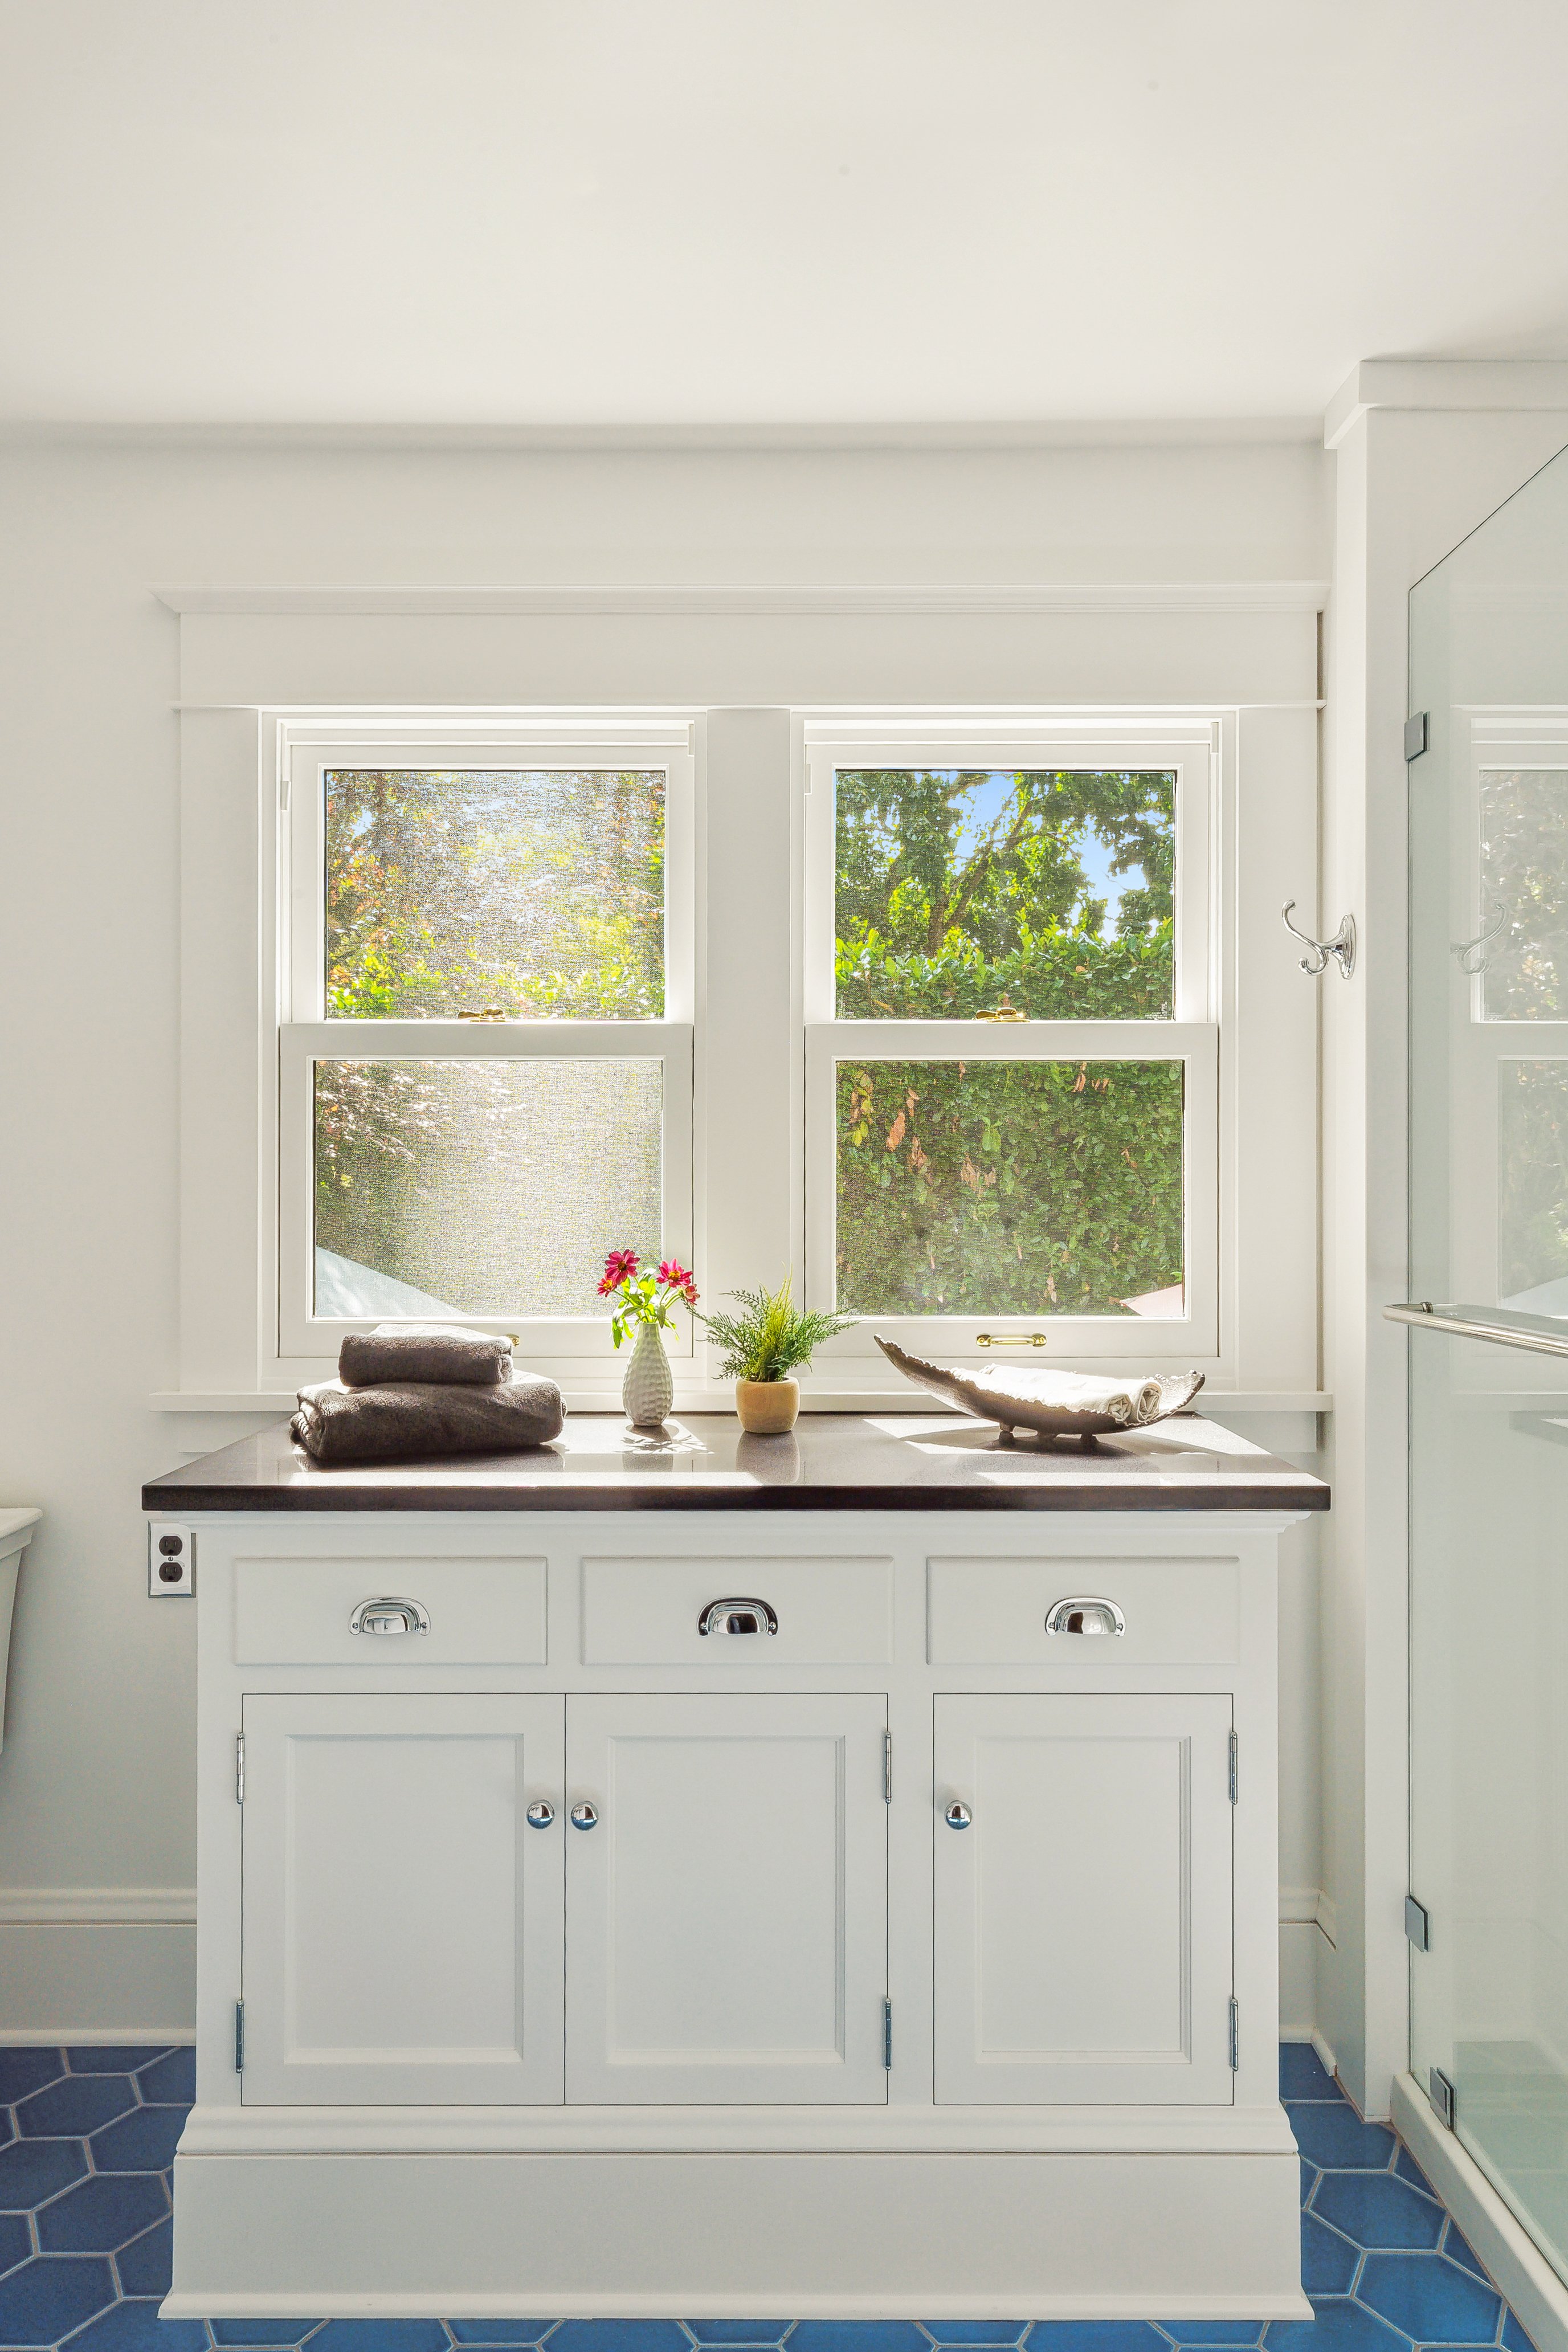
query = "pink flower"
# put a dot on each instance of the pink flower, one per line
(620, 1267)
(676, 1277)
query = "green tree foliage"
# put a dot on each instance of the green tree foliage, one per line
(1007, 1188)
(535, 894)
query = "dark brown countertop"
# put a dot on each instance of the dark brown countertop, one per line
(704, 1462)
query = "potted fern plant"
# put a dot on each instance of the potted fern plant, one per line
(760, 1348)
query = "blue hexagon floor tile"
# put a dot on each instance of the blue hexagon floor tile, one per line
(87, 2136)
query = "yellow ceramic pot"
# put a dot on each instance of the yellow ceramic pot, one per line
(767, 1407)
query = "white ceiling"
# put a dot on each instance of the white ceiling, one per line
(693, 212)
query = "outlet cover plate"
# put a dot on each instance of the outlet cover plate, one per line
(171, 1561)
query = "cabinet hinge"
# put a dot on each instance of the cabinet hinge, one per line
(239, 1768)
(887, 2036)
(239, 2037)
(1234, 2037)
(1417, 1924)
(1414, 735)
(1235, 1752)
(887, 1767)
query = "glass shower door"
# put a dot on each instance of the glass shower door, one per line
(1488, 1366)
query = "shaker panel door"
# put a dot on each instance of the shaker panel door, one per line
(727, 1911)
(402, 1930)
(1083, 1913)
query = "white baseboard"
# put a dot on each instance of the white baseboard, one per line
(1519, 2269)
(73, 1906)
(99, 2037)
(97, 1980)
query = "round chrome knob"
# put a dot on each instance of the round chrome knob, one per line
(958, 1816)
(540, 1814)
(584, 1817)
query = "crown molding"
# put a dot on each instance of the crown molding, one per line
(957, 436)
(1436, 384)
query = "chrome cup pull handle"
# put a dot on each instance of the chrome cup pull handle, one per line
(585, 1816)
(738, 1617)
(958, 1815)
(1083, 1614)
(388, 1615)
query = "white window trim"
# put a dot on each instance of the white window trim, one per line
(1194, 751)
(251, 658)
(297, 1346)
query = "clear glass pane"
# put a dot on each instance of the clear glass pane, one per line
(1010, 1188)
(1524, 892)
(1532, 1186)
(1045, 892)
(531, 891)
(481, 1187)
(1489, 1424)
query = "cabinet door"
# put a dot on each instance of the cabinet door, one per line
(727, 1912)
(402, 1928)
(1083, 1915)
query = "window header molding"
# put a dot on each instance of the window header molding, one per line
(891, 599)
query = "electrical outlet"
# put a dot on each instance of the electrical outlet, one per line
(171, 1561)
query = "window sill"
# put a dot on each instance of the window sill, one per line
(720, 1397)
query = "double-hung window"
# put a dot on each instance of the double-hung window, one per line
(1012, 1044)
(485, 1043)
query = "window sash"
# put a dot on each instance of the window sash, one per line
(303, 1334)
(1102, 1338)
(1190, 752)
(541, 745)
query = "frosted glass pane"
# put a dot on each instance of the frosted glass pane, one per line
(1533, 1185)
(534, 891)
(1010, 1188)
(482, 1187)
(1524, 893)
(963, 891)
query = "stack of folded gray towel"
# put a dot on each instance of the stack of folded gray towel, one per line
(414, 1389)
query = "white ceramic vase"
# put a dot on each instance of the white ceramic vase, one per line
(648, 1392)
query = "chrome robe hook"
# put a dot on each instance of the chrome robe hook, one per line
(1341, 947)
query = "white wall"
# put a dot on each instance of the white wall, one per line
(96, 1806)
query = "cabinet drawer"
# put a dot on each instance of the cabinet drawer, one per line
(645, 1613)
(985, 1612)
(298, 1612)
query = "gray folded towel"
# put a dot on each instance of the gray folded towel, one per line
(424, 1351)
(415, 1418)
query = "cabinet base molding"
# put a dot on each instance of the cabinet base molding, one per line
(901, 2130)
(1060, 2236)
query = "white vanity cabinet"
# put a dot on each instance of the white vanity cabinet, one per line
(401, 1939)
(1083, 1890)
(616, 1910)
(727, 1912)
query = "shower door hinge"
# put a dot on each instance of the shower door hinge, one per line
(239, 2037)
(239, 1768)
(887, 2036)
(1234, 2037)
(1417, 1924)
(1441, 2092)
(1235, 1751)
(887, 1767)
(1415, 735)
